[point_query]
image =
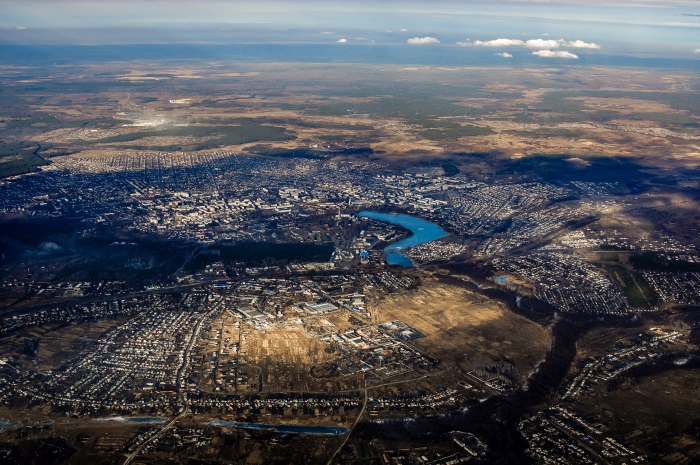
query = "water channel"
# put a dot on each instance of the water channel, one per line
(423, 231)
(145, 420)
(4, 424)
(296, 429)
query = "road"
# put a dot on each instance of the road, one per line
(188, 350)
(138, 450)
(349, 433)
(576, 439)
(180, 395)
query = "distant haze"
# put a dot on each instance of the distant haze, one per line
(640, 28)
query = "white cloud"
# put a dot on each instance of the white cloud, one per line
(21, 27)
(542, 43)
(499, 42)
(326, 32)
(505, 55)
(403, 30)
(423, 40)
(697, 50)
(554, 54)
(582, 44)
(342, 41)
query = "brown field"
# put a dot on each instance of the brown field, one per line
(275, 359)
(659, 416)
(600, 341)
(56, 343)
(288, 346)
(466, 330)
(285, 105)
(390, 135)
(104, 443)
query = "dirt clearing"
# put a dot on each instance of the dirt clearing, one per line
(466, 330)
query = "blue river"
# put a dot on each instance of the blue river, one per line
(133, 419)
(4, 425)
(296, 429)
(423, 231)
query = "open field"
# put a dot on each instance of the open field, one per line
(50, 346)
(603, 340)
(659, 416)
(275, 359)
(404, 114)
(87, 441)
(466, 330)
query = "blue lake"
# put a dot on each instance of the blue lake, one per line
(296, 429)
(423, 231)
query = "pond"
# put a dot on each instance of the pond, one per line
(423, 231)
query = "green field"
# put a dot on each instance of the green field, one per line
(652, 261)
(257, 252)
(558, 168)
(633, 285)
(410, 110)
(671, 119)
(303, 152)
(34, 232)
(218, 135)
(450, 169)
(19, 158)
(416, 91)
(444, 133)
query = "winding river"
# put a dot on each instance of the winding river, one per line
(423, 231)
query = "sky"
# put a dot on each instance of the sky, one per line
(546, 29)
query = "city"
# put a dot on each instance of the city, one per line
(349, 234)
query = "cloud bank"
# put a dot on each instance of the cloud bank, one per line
(542, 43)
(342, 41)
(697, 50)
(554, 54)
(582, 44)
(498, 43)
(505, 55)
(423, 40)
